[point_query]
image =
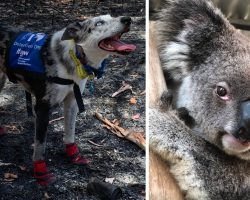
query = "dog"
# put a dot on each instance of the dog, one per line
(69, 57)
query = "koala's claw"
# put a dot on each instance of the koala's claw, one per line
(166, 99)
(183, 114)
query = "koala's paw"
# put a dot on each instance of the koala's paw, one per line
(183, 114)
(166, 99)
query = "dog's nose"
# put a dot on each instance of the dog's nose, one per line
(244, 129)
(126, 20)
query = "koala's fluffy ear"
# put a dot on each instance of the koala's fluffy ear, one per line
(187, 32)
(71, 31)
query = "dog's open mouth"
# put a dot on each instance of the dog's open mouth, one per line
(114, 44)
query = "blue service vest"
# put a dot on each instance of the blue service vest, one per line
(24, 55)
(25, 52)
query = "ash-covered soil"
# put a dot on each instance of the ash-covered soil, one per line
(113, 157)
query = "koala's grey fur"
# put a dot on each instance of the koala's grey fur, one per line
(199, 49)
(202, 171)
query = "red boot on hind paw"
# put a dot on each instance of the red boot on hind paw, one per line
(75, 156)
(2, 131)
(41, 173)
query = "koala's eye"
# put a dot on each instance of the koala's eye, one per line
(99, 23)
(221, 91)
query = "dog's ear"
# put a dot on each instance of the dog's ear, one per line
(71, 31)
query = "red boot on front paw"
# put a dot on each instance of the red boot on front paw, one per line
(75, 156)
(41, 173)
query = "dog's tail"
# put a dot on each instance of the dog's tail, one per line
(187, 31)
(2, 80)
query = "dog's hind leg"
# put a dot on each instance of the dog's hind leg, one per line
(41, 173)
(70, 112)
(2, 80)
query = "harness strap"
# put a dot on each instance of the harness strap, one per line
(61, 81)
(58, 80)
(77, 91)
(78, 97)
(28, 103)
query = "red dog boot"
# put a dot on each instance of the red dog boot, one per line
(74, 155)
(41, 173)
(2, 131)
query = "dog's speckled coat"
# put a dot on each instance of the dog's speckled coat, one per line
(57, 61)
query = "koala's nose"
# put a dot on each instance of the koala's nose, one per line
(126, 20)
(244, 130)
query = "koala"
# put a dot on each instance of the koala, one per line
(207, 64)
(182, 112)
(202, 171)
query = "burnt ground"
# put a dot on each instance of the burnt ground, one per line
(115, 158)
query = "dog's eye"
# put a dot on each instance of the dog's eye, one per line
(99, 23)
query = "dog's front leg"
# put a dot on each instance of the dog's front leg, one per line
(41, 173)
(70, 112)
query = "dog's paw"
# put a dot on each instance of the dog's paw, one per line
(42, 175)
(74, 155)
(2, 131)
(79, 160)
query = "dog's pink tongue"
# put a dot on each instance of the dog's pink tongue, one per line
(120, 46)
